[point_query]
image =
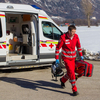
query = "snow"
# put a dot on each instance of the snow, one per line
(89, 38)
(58, 18)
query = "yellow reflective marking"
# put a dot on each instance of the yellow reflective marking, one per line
(3, 43)
(2, 16)
(49, 42)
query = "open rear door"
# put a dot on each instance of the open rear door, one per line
(2, 39)
(24, 50)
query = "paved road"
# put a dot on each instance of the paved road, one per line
(37, 84)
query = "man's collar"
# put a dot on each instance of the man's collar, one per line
(69, 36)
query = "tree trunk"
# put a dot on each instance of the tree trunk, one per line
(88, 19)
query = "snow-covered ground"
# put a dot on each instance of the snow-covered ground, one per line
(89, 38)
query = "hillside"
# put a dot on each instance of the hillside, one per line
(70, 9)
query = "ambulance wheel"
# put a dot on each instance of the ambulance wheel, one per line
(62, 63)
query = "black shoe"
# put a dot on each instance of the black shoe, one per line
(62, 84)
(75, 93)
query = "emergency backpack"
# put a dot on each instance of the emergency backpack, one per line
(56, 70)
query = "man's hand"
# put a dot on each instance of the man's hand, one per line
(82, 58)
(57, 61)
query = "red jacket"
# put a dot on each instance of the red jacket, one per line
(68, 46)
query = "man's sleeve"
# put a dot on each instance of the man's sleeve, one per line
(59, 45)
(78, 45)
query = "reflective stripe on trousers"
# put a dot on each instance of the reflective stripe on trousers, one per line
(73, 84)
(66, 76)
(57, 54)
(72, 80)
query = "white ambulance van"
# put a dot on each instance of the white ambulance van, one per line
(28, 36)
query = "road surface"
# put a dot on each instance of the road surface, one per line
(37, 84)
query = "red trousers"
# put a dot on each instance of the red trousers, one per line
(70, 67)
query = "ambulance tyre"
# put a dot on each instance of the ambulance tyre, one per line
(61, 62)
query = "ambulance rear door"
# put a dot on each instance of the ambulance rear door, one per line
(2, 39)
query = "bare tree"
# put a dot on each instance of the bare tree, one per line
(88, 9)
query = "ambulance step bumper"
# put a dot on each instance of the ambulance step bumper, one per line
(24, 67)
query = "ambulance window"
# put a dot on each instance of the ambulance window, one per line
(47, 30)
(0, 29)
(51, 31)
(56, 32)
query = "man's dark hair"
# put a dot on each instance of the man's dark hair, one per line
(71, 27)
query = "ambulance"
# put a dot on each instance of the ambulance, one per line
(28, 36)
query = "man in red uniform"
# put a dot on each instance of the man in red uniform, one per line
(68, 42)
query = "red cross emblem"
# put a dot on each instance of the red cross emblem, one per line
(51, 45)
